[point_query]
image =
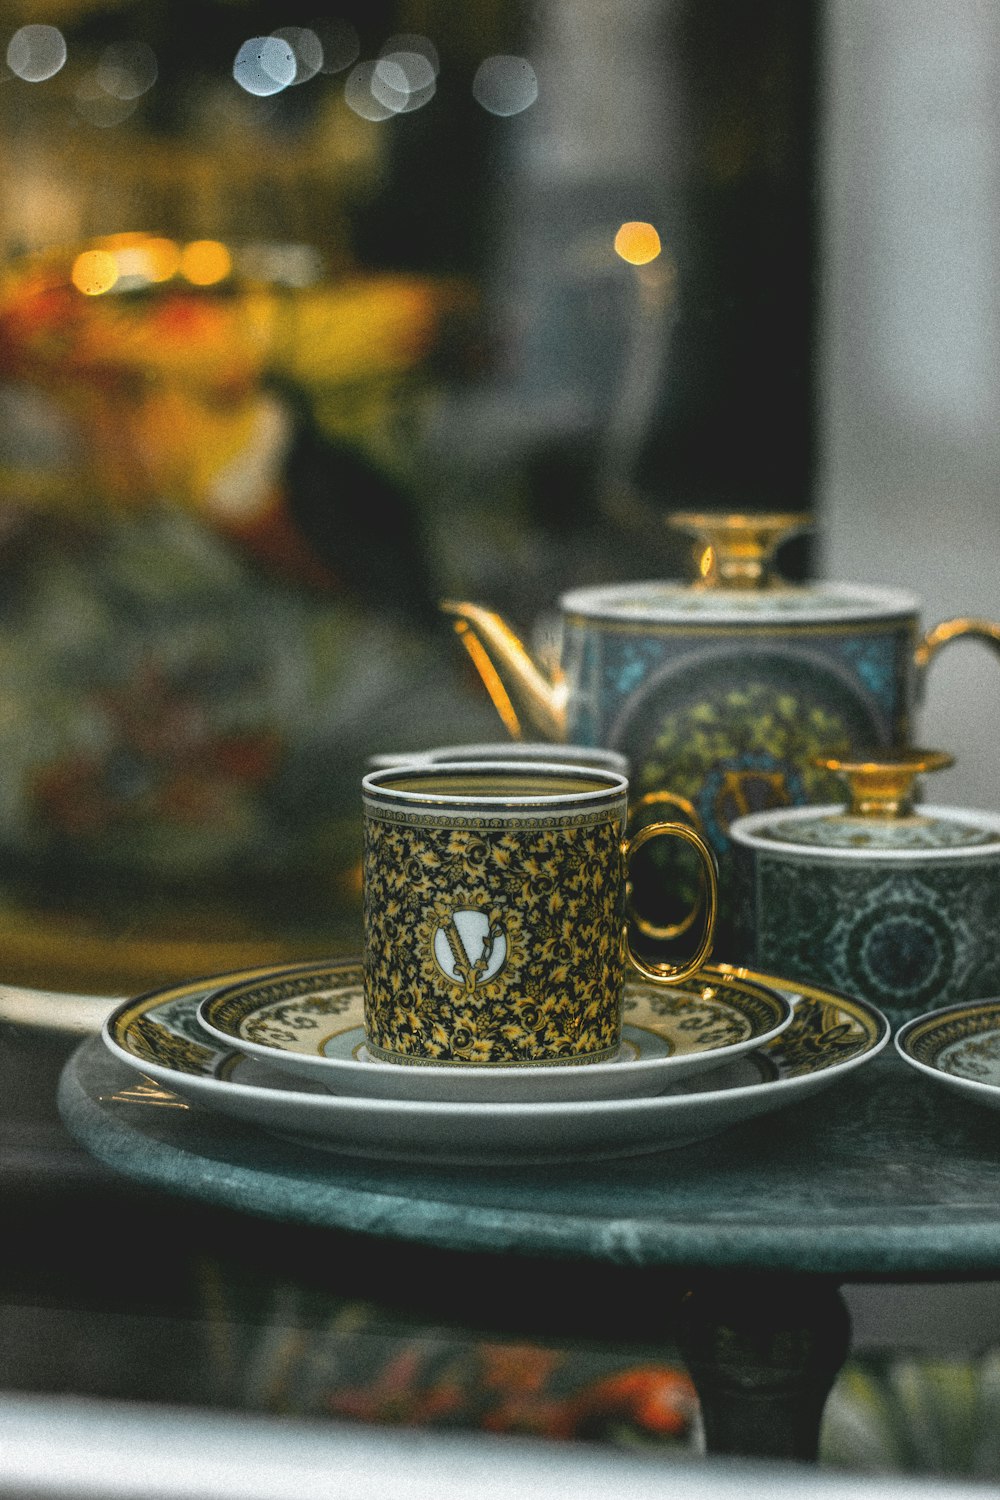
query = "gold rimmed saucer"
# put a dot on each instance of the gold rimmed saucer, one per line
(308, 1021)
(159, 1037)
(957, 1047)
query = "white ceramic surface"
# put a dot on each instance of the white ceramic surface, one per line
(159, 1037)
(311, 1026)
(773, 832)
(957, 1047)
(660, 601)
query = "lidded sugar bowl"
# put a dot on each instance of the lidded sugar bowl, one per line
(884, 898)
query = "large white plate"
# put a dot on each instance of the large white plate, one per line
(957, 1047)
(159, 1035)
(308, 1021)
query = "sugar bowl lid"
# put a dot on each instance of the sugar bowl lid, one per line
(735, 582)
(882, 818)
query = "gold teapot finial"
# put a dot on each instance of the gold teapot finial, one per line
(883, 786)
(737, 551)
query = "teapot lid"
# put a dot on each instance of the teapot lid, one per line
(734, 582)
(881, 818)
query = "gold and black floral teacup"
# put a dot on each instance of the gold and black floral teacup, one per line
(496, 912)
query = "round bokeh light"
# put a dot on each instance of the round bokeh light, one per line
(505, 85)
(35, 53)
(409, 75)
(205, 262)
(307, 49)
(264, 65)
(359, 94)
(127, 70)
(94, 272)
(637, 242)
(411, 41)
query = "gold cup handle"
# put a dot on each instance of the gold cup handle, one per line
(954, 630)
(664, 973)
(669, 930)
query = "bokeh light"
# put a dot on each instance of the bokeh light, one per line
(358, 94)
(205, 262)
(307, 49)
(408, 78)
(389, 86)
(36, 52)
(340, 42)
(127, 70)
(131, 263)
(161, 258)
(637, 242)
(95, 105)
(94, 272)
(264, 65)
(505, 85)
(412, 41)
(146, 261)
(281, 264)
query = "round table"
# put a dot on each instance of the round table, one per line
(882, 1175)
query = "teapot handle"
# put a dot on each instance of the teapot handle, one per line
(953, 630)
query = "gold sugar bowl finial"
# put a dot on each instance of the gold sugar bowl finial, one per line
(883, 785)
(738, 551)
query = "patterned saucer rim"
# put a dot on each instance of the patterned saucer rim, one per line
(207, 1089)
(833, 1036)
(766, 1011)
(950, 1019)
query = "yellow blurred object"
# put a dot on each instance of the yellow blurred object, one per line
(164, 380)
(351, 329)
(637, 242)
(205, 262)
(94, 272)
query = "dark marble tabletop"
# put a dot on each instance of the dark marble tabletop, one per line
(882, 1175)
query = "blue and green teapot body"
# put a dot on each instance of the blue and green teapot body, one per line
(723, 692)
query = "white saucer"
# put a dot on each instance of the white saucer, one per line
(160, 1038)
(309, 1022)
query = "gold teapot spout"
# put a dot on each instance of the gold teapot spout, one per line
(526, 697)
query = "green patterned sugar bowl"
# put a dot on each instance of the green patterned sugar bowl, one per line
(886, 898)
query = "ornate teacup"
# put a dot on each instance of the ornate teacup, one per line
(496, 906)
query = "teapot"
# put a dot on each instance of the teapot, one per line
(729, 689)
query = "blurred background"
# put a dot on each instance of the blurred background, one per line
(306, 322)
(310, 319)
(907, 339)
